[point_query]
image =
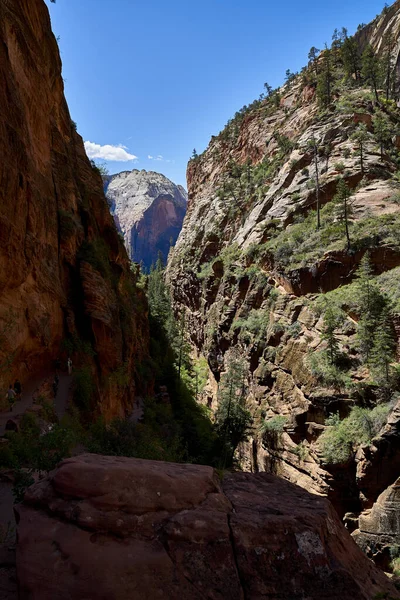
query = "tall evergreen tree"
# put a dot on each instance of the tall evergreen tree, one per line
(371, 304)
(325, 79)
(332, 320)
(382, 130)
(313, 59)
(233, 421)
(383, 349)
(361, 136)
(313, 146)
(371, 69)
(350, 55)
(342, 199)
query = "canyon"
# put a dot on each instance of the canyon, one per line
(251, 274)
(252, 278)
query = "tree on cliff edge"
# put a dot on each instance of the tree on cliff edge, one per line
(232, 420)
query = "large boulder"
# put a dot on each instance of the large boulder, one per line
(118, 528)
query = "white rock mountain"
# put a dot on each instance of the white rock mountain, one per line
(148, 210)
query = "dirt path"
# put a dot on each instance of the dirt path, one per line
(138, 412)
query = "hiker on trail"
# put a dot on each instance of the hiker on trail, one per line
(69, 365)
(11, 396)
(57, 364)
(18, 388)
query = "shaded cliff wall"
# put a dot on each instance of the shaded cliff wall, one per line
(64, 274)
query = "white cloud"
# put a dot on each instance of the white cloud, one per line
(150, 157)
(113, 153)
(158, 157)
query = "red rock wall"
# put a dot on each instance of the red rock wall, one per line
(51, 202)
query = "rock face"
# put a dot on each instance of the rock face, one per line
(119, 528)
(64, 274)
(379, 527)
(248, 286)
(149, 210)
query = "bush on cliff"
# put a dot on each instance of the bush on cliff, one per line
(341, 439)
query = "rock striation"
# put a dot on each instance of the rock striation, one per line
(119, 528)
(65, 279)
(149, 210)
(244, 290)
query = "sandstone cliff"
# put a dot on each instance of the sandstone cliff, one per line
(249, 268)
(65, 279)
(118, 528)
(148, 210)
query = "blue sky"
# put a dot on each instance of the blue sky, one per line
(157, 78)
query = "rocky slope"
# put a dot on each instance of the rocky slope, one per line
(65, 279)
(250, 265)
(117, 528)
(148, 210)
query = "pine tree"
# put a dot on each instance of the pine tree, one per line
(371, 304)
(325, 79)
(194, 154)
(332, 320)
(383, 349)
(361, 136)
(232, 420)
(268, 89)
(342, 199)
(382, 130)
(388, 44)
(350, 55)
(313, 146)
(371, 69)
(313, 59)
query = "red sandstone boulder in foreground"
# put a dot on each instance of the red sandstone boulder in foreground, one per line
(123, 529)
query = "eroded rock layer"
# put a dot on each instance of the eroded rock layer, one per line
(64, 274)
(119, 528)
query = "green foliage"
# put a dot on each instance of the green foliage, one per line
(371, 69)
(340, 440)
(254, 326)
(371, 305)
(100, 168)
(173, 367)
(333, 319)
(332, 375)
(155, 439)
(232, 421)
(275, 424)
(383, 130)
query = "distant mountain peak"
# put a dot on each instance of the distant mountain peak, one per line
(148, 209)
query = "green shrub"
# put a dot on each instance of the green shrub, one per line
(339, 167)
(340, 440)
(275, 424)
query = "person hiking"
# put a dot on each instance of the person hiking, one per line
(69, 365)
(18, 389)
(11, 396)
(57, 364)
